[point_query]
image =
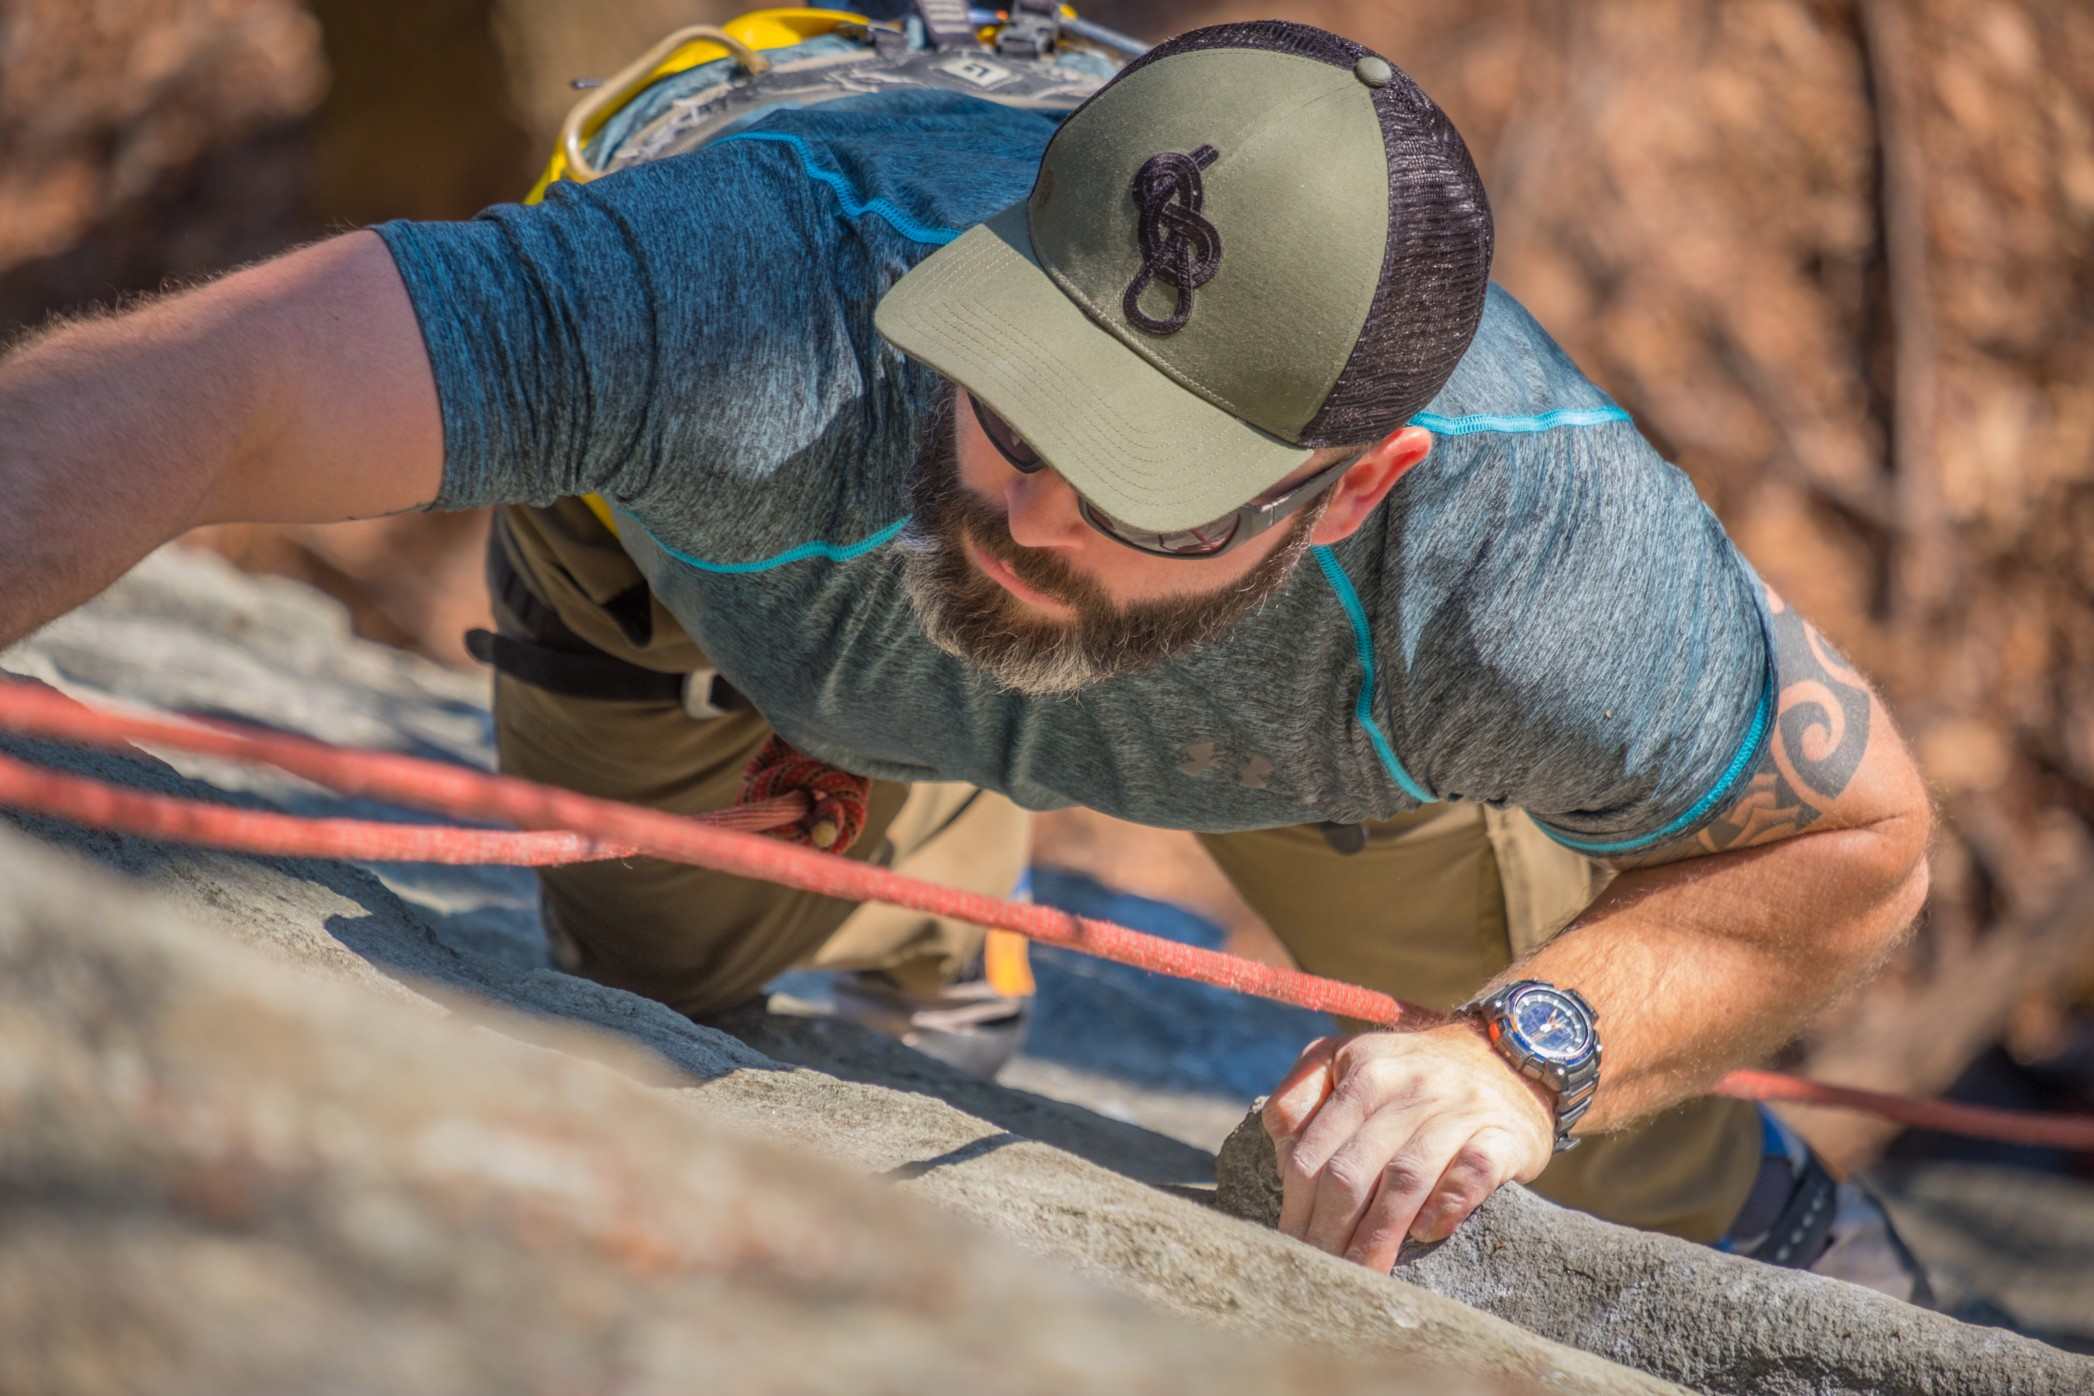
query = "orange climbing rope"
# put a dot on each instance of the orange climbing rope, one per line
(551, 821)
(833, 801)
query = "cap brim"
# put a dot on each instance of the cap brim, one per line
(1126, 436)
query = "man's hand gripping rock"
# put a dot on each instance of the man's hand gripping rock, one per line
(1388, 1135)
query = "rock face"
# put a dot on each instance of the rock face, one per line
(1716, 1323)
(382, 1146)
(360, 1102)
(373, 1197)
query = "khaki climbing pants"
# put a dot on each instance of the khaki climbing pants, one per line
(1436, 903)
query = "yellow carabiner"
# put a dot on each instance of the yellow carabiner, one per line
(744, 38)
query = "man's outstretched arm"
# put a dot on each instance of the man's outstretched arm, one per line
(296, 390)
(1703, 955)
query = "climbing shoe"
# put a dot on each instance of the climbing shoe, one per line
(969, 1024)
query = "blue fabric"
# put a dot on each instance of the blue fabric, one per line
(1783, 1154)
(816, 548)
(846, 196)
(1726, 789)
(1543, 614)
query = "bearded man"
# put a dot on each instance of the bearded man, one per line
(1177, 459)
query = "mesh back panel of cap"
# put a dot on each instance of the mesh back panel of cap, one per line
(1437, 265)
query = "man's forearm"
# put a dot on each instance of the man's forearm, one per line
(98, 420)
(297, 389)
(1702, 966)
(1707, 953)
(1695, 968)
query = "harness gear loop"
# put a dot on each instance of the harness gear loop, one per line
(836, 799)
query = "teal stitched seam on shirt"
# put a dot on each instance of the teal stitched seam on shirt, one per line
(857, 206)
(1724, 787)
(834, 552)
(1363, 646)
(847, 194)
(1480, 423)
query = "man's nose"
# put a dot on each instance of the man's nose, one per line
(1042, 511)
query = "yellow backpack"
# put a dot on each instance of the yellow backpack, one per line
(702, 81)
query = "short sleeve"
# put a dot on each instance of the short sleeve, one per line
(1600, 656)
(662, 314)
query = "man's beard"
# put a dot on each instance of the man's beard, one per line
(971, 617)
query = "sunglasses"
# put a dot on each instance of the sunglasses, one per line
(1208, 540)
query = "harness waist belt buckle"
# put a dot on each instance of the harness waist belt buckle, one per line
(700, 699)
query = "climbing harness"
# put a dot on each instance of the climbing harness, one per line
(548, 654)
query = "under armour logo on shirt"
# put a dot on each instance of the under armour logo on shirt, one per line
(1177, 244)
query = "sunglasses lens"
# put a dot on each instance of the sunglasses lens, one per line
(1203, 541)
(1005, 439)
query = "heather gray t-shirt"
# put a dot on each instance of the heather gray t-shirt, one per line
(1542, 614)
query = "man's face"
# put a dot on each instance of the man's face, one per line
(1005, 574)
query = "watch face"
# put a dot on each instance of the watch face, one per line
(1552, 1024)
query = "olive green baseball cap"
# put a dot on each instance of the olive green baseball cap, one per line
(1257, 240)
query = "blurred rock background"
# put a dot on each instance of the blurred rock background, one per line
(1833, 254)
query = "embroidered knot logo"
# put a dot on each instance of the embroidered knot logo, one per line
(1177, 244)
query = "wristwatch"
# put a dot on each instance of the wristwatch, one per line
(1547, 1033)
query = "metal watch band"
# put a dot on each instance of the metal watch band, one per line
(1572, 1086)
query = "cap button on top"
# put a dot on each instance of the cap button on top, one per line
(1375, 72)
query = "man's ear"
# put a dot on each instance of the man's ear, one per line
(1362, 488)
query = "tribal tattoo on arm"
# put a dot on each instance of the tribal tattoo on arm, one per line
(1817, 744)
